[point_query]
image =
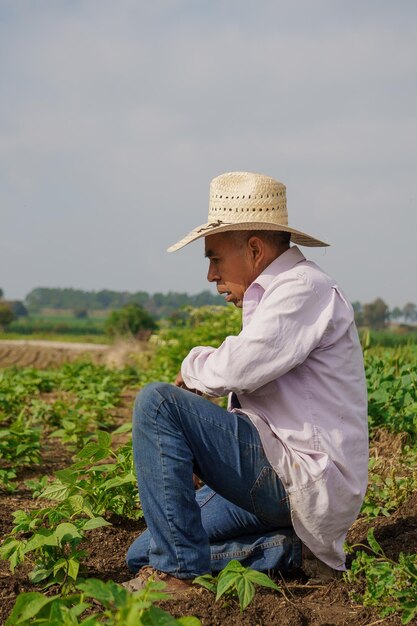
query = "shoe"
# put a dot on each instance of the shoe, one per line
(174, 586)
(318, 572)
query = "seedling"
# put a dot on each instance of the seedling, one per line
(236, 581)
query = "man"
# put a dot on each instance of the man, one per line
(285, 467)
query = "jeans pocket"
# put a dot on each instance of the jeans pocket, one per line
(270, 500)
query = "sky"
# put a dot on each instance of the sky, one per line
(115, 116)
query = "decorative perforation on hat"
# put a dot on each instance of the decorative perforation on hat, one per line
(240, 193)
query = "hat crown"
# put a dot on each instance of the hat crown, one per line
(238, 197)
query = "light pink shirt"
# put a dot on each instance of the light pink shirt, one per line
(297, 370)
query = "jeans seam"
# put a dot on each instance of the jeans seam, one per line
(254, 488)
(208, 498)
(242, 553)
(168, 514)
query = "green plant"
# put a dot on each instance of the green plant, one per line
(392, 389)
(6, 315)
(52, 549)
(206, 326)
(20, 443)
(387, 490)
(129, 320)
(100, 487)
(117, 607)
(390, 586)
(236, 581)
(7, 477)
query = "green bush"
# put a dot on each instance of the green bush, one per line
(6, 315)
(189, 327)
(132, 319)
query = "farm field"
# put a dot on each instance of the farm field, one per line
(70, 508)
(39, 326)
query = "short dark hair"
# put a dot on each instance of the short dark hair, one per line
(276, 238)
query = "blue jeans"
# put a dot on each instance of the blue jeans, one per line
(241, 513)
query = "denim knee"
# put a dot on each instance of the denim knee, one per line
(151, 396)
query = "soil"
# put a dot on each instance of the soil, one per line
(44, 354)
(299, 605)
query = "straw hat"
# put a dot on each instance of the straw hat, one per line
(246, 201)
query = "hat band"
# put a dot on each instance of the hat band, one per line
(213, 225)
(237, 215)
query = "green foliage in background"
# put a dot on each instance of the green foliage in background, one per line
(92, 390)
(206, 326)
(392, 389)
(131, 320)
(6, 316)
(390, 586)
(68, 325)
(387, 491)
(157, 304)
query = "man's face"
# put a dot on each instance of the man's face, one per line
(231, 266)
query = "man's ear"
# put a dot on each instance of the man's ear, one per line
(256, 249)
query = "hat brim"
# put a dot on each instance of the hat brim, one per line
(210, 228)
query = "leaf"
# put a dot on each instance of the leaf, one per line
(124, 428)
(234, 566)
(8, 547)
(409, 611)
(17, 557)
(66, 531)
(97, 589)
(76, 503)
(226, 580)
(374, 545)
(207, 581)
(41, 539)
(118, 481)
(245, 591)
(96, 522)
(259, 578)
(67, 476)
(39, 574)
(56, 491)
(73, 568)
(60, 564)
(93, 452)
(104, 439)
(27, 605)
(189, 620)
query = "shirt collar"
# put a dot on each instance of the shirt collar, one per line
(253, 295)
(286, 261)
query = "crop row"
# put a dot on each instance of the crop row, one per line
(78, 404)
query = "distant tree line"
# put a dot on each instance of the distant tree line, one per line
(158, 304)
(140, 309)
(377, 315)
(10, 310)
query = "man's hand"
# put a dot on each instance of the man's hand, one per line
(179, 382)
